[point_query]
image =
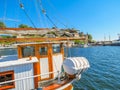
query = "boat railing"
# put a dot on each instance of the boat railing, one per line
(20, 79)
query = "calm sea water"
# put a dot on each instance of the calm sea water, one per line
(104, 73)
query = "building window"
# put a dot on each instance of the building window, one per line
(56, 48)
(28, 51)
(6, 76)
(43, 51)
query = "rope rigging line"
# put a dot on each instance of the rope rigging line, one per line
(69, 50)
(52, 6)
(67, 22)
(39, 15)
(50, 20)
(60, 22)
(5, 9)
(22, 7)
(44, 12)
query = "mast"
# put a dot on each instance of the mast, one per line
(4, 18)
(45, 13)
(119, 36)
(104, 37)
(109, 38)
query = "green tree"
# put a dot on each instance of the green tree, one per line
(23, 26)
(79, 42)
(2, 25)
(89, 37)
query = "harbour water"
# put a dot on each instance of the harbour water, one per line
(104, 73)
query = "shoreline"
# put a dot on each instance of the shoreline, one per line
(10, 47)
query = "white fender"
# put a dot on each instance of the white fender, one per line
(75, 65)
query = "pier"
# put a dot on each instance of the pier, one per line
(102, 43)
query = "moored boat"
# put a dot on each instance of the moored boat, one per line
(40, 66)
(116, 42)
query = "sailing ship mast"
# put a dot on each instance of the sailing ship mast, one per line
(119, 36)
(35, 28)
(4, 18)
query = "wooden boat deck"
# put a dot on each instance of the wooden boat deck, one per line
(53, 84)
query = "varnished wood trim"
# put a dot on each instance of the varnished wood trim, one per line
(56, 54)
(45, 79)
(36, 66)
(62, 50)
(43, 56)
(21, 29)
(7, 72)
(19, 52)
(50, 60)
(38, 39)
(36, 72)
(55, 86)
(19, 47)
(8, 86)
(69, 87)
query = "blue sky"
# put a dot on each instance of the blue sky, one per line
(97, 17)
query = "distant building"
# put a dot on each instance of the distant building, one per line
(76, 34)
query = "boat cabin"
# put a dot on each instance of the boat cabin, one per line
(40, 66)
(42, 61)
(50, 58)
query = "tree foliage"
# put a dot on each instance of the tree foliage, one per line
(7, 36)
(24, 26)
(89, 37)
(2, 25)
(79, 42)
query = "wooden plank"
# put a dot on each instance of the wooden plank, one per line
(38, 39)
(50, 60)
(20, 29)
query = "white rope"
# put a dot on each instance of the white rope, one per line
(46, 15)
(5, 11)
(22, 7)
(66, 22)
(69, 51)
(39, 15)
(27, 77)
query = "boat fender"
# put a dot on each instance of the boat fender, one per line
(75, 65)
